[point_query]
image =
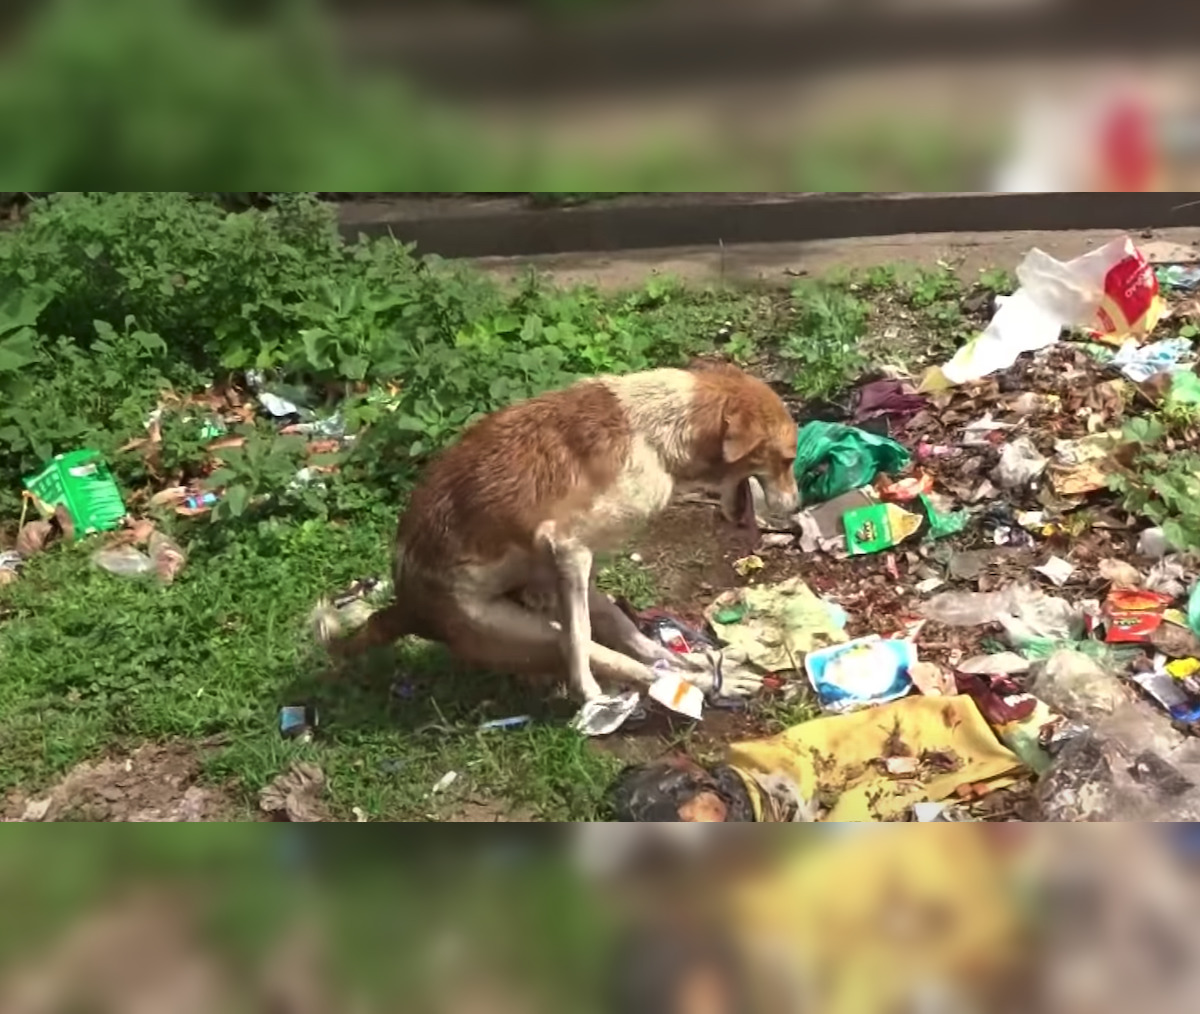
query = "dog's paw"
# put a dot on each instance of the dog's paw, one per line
(718, 677)
(739, 683)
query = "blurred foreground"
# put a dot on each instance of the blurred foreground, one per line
(981, 918)
(583, 97)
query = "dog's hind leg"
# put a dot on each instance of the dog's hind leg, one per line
(616, 630)
(501, 635)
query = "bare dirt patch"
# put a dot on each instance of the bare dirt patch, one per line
(155, 783)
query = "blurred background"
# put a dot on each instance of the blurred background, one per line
(570, 96)
(856, 919)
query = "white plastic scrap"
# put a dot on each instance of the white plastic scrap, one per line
(606, 714)
(1057, 570)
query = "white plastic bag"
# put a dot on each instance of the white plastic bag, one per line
(1112, 290)
(1076, 685)
(1027, 614)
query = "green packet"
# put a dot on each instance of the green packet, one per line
(877, 527)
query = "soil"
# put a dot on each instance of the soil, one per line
(777, 265)
(155, 783)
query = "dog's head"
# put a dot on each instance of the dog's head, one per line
(757, 433)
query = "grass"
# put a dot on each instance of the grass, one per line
(113, 305)
(623, 577)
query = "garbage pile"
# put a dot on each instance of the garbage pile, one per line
(1023, 648)
(76, 494)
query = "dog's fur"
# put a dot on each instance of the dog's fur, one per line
(520, 503)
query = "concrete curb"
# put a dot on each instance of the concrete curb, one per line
(508, 229)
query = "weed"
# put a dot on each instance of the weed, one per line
(998, 281)
(121, 306)
(823, 344)
(622, 577)
(778, 714)
(880, 278)
(1163, 482)
(927, 288)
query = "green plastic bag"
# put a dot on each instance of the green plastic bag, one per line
(832, 459)
(1185, 388)
(1193, 613)
(941, 525)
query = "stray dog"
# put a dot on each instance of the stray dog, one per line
(519, 505)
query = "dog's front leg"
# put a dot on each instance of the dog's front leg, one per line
(732, 505)
(573, 565)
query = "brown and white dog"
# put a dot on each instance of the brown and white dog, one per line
(527, 495)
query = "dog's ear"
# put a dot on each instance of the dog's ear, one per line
(739, 439)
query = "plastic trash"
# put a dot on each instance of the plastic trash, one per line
(672, 691)
(1122, 771)
(1120, 574)
(878, 527)
(1185, 389)
(1056, 570)
(862, 673)
(1180, 276)
(298, 721)
(888, 399)
(504, 724)
(1132, 615)
(1168, 577)
(1193, 611)
(932, 680)
(1111, 290)
(1077, 685)
(1079, 787)
(1152, 543)
(606, 714)
(677, 789)
(942, 524)
(1002, 663)
(10, 566)
(1020, 463)
(124, 561)
(772, 627)
(1027, 614)
(167, 556)
(832, 459)
(1141, 362)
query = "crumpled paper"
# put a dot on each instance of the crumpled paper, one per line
(776, 625)
(295, 795)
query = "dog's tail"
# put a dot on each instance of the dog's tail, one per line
(351, 631)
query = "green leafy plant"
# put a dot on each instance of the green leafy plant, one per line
(998, 281)
(930, 287)
(822, 345)
(1163, 481)
(267, 469)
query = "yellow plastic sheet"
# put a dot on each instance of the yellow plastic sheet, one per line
(843, 757)
(868, 921)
